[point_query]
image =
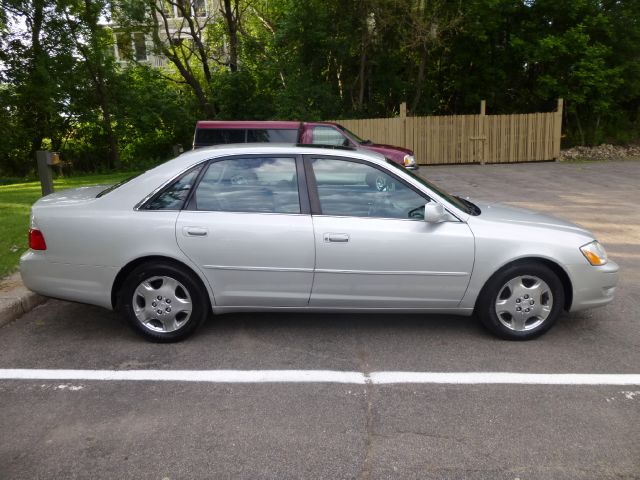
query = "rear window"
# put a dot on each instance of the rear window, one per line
(218, 136)
(119, 184)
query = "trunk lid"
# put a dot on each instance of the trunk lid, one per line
(71, 196)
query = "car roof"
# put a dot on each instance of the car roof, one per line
(203, 153)
(247, 124)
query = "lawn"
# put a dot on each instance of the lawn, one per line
(15, 206)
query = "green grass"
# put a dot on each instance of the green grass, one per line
(15, 206)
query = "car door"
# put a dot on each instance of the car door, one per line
(247, 229)
(373, 248)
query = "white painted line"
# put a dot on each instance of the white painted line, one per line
(324, 376)
(212, 376)
(387, 378)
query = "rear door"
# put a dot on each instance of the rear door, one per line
(248, 228)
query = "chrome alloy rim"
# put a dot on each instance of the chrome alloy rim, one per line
(162, 304)
(523, 303)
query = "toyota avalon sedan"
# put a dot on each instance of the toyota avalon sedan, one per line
(297, 228)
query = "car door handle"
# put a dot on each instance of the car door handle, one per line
(195, 231)
(336, 237)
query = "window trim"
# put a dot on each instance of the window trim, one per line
(141, 206)
(303, 190)
(316, 207)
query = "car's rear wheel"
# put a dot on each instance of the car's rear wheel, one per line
(521, 301)
(163, 301)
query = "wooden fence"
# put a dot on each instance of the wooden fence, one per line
(468, 138)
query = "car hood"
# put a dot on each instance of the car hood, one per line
(497, 212)
(382, 148)
(71, 196)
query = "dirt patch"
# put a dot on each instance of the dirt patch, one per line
(602, 152)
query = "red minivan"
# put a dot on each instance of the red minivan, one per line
(216, 132)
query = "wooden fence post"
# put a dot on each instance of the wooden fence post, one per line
(483, 131)
(557, 129)
(403, 116)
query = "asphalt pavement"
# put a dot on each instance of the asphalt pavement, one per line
(182, 430)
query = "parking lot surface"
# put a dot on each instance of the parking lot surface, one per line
(167, 429)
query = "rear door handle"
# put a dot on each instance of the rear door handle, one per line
(195, 231)
(336, 237)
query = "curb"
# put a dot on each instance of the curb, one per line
(16, 299)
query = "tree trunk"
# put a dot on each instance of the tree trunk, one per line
(362, 72)
(579, 125)
(205, 106)
(38, 117)
(231, 19)
(114, 153)
(420, 80)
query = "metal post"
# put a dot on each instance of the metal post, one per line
(177, 149)
(44, 172)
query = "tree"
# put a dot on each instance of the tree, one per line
(92, 41)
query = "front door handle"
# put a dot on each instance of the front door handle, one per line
(195, 231)
(336, 237)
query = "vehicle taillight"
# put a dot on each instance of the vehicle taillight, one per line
(36, 240)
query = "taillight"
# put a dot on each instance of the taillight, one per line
(36, 240)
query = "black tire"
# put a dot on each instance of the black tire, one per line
(190, 288)
(486, 309)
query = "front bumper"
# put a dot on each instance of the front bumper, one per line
(593, 286)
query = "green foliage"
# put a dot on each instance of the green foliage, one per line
(61, 87)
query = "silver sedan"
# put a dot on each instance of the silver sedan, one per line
(289, 228)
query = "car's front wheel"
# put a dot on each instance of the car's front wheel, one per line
(521, 301)
(163, 301)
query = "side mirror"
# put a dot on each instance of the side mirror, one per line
(434, 213)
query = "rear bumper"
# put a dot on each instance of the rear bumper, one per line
(593, 286)
(78, 283)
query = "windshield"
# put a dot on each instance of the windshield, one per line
(119, 184)
(353, 135)
(464, 205)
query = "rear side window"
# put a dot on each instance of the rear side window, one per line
(217, 136)
(174, 196)
(254, 184)
(280, 135)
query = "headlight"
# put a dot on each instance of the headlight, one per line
(409, 161)
(594, 253)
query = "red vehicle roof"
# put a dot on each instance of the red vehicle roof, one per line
(248, 124)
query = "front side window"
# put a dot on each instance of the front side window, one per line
(328, 136)
(253, 184)
(174, 196)
(354, 189)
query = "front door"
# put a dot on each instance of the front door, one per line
(245, 229)
(374, 250)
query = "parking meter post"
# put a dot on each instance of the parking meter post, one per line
(44, 172)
